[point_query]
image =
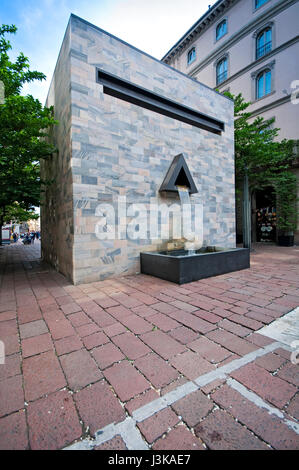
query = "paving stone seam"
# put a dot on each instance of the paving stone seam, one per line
(228, 290)
(258, 401)
(30, 277)
(148, 410)
(21, 370)
(84, 430)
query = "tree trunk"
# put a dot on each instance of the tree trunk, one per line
(246, 213)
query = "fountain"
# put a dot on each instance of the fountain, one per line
(191, 261)
(189, 246)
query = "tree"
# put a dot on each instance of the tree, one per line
(260, 161)
(17, 214)
(286, 192)
(24, 125)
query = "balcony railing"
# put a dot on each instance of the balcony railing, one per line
(262, 50)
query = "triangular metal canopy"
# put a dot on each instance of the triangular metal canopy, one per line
(178, 174)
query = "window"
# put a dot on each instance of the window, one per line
(263, 83)
(259, 3)
(221, 29)
(264, 43)
(191, 56)
(221, 71)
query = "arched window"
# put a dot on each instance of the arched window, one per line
(263, 83)
(221, 29)
(264, 42)
(259, 3)
(221, 71)
(191, 56)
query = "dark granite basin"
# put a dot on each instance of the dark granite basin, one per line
(181, 266)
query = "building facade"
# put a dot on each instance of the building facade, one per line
(123, 118)
(249, 47)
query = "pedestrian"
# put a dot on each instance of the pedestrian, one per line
(27, 239)
(32, 236)
(14, 237)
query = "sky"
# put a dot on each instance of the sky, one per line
(152, 26)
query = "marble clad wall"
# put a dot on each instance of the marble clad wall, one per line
(57, 215)
(119, 149)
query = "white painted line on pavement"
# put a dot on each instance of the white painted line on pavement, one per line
(128, 430)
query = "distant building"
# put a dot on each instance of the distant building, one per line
(34, 224)
(252, 47)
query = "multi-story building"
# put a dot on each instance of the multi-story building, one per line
(249, 47)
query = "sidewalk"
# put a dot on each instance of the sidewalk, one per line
(141, 363)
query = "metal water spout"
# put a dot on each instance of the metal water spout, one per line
(178, 175)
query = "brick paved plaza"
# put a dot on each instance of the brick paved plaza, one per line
(150, 364)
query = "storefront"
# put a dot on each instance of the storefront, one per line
(265, 216)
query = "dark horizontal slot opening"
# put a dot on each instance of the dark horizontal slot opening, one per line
(139, 96)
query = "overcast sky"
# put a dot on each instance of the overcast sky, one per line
(153, 26)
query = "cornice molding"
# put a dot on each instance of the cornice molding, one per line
(273, 104)
(210, 17)
(251, 27)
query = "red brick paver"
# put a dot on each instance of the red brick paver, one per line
(95, 339)
(98, 406)
(220, 431)
(107, 355)
(179, 438)
(271, 388)
(11, 366)
(156, 370)
(158, 424)
(80, 369)
(67, 345)
(141, 400)
(162, 344)
(293, 407)
(42, 375)
(290, 373)
(78, 358)
(53, 422)
(231, 342)
(35, 328)
(116, 443)
(130, 345)
(36, 345)
(136, 324)
(193, 407)
(267, 427)
(191, 364)
(183, 335)
(13, 432)
(11, 395)
(125, 380)
(209, 350)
